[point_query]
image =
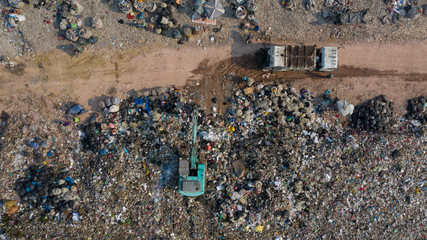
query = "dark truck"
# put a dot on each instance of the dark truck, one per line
(300, 57)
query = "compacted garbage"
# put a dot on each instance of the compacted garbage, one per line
(279, 164)
(375, 115)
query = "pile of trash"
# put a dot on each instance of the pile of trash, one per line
(275, 168)
(288, 4)
(164, 19)
(137, 117)
(13, 66)
(16, 3)
(71, 25)
(307, 4)
(401, 9)
(12, 18)
(273, 103)
(417, 109)
(245, 9)
(374, 115)
(341, 15)
(43, 187)
(156, 17)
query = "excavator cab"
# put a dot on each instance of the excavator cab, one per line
(192, 175)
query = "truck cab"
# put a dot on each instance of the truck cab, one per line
(328, 59)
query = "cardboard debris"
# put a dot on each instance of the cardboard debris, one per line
(10, 207)
(239, 168)
(249, 90)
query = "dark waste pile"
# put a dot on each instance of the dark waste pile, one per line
(375, 115)
(281, 164)
(42, 187)
(417, 109)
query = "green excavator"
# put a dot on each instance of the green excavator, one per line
(192, 175)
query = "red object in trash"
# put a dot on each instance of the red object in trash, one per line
(61, 37)
(363, 188)
(208, 146)
(130, 16)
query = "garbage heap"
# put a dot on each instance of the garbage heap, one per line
(45, 188)
(274, 104)
(132, 120)
(71, 24)
(293, 172)
(163, 19)
(274, 171)
(417, 109)
(156, 17)
(374, 115)
(138, 143)
(245, 9)
(262, 123)
(16, 3)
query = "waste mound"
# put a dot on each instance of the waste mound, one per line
(44, 187)
(374, 115)
(417, 109)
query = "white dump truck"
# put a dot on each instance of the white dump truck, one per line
(300, 57)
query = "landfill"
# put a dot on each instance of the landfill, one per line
(281, 164)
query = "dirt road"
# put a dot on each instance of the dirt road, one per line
(404, 58)
(365, 70)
